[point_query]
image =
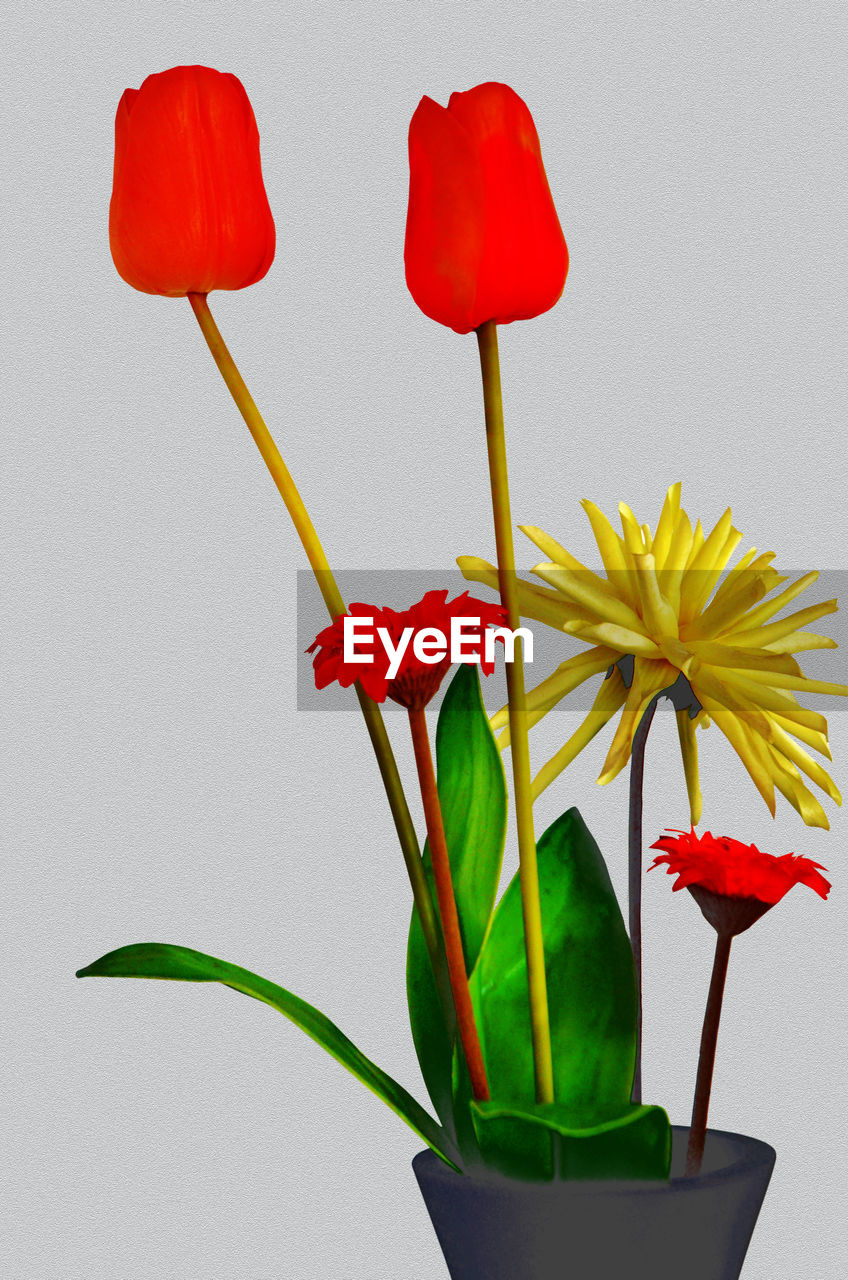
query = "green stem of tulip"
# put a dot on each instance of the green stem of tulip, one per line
(335, 606)
(487, 339)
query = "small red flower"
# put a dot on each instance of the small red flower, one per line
(483, 241)
(727, 867)
(415, 681)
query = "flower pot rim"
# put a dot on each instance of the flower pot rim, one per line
(749, 1153)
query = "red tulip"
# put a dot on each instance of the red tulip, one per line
(483, 241)
(189, 211)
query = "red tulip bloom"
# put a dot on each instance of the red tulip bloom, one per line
(189, 211)
(391, 653)
(734, 870)
(483, 241)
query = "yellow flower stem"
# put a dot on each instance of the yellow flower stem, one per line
(634, 852)
(335, 606)
(487, 339)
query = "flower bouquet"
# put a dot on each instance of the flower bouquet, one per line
(525, 1009)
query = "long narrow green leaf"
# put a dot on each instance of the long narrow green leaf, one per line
(472, 792)
(159, 960)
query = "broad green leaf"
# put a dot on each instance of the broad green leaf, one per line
(591, 984)
(542, 1142)
(472, 791)
(158, 960)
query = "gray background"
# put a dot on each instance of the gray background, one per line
(158, 782)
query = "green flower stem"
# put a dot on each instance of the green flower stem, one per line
(447, 905)
(487, 339)
(335, 606)
(706, 1060)
(634, 851)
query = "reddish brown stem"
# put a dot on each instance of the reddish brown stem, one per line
(706, 1061)
(447, 905)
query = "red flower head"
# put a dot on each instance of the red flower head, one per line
(483, 241)
(403, 655)
(733, 883)
(189, 211)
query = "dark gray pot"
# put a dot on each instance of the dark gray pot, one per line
(495, 1228)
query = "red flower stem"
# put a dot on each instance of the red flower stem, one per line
(634, 851)
(706, 1060)
(335, 606)
(487, 339)
(447, 905)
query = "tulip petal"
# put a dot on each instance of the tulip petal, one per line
(445, 221)
(524, 263)
(189, 212)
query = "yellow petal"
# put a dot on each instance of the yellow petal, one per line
(744, 746)
(738, 569)
(610, 697)
(770, 607)
(798, 756)
(665, 525)
(697, 543)
(749, 691)
(724, 655)
(681, 543)
(704, 571)
(562, 558)
(580, 589)
(633, 538)
(675, 562)
(799, 796)
(649, 679)
(541, 604)
(677, 653)
(712, 683)
(800, 641)
(619, 638)
(552, 690)
(689, 752)
(547, 607)
(708, 553)
(659, 617)
(611, 548)
(502, 718)
(813, 737)
(783, 680)
(727, 610)
(762, 636)
(569, 675)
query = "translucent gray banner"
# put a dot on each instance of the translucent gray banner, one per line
(398, 589)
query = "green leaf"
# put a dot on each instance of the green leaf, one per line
(542, 1142)
(158, 960)
(472, 791)
(591, 984)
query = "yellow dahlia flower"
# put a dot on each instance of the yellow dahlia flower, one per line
(664, 601)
